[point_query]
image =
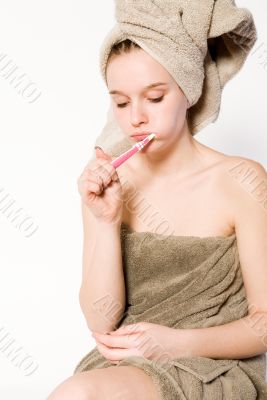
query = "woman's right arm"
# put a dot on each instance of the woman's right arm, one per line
(102, 292)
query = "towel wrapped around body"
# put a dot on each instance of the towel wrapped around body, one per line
(186, 282)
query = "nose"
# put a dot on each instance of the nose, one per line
(138, 114)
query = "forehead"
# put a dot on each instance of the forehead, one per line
(135, 71)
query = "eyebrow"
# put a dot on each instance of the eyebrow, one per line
(144, 89)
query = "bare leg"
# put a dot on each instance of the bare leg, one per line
(112, 383)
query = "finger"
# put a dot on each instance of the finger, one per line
(125, 340)
(101, 173)
(106, 171)
(94, 162)
(91, 187)
(100, 349)
(128, 329)
(115, 177)
(100, 153)
(98, 180)
(115, 354)
(90, 175)
(103, 351)
(118, 341)
(87, 186)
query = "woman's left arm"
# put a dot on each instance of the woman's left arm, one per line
(247, 336)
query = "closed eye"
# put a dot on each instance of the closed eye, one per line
(157, 100)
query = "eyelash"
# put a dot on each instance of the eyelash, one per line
(157, 100)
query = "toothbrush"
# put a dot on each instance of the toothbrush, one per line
(129, 153)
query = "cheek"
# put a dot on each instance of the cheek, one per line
(169, 113)
(123, 120)
(120, 116)
(172, 105)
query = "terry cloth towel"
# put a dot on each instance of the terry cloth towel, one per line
(186, 282)
(202, 44)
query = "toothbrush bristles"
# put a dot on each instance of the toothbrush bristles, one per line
(151, 136)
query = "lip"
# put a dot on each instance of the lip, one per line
(141, 134)
(139, 138)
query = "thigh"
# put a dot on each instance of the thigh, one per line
(123, 383)
(111, 383)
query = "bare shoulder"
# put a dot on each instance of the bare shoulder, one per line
(245, 171)
(239, 162)
(244, 180)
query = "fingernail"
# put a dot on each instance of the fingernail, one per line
(98, 147)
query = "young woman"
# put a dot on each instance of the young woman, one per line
(184, 291)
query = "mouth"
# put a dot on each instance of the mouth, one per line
(139, 136)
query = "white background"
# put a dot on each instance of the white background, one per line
(43, 148)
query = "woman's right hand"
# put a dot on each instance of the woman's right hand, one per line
(100, 188)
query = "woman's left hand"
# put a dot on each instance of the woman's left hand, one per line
(152, 341)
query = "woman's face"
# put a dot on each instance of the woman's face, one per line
(160, 108)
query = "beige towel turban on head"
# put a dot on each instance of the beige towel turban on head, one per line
(201, 43)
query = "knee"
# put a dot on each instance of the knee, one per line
(74, 387)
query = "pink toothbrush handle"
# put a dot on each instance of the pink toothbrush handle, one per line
(129, 153)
